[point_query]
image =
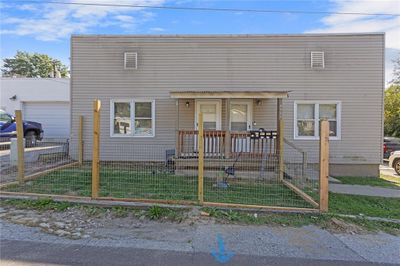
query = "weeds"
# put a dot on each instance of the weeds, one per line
(41, 204)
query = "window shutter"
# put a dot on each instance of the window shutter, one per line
(317, 60)
(130, 60)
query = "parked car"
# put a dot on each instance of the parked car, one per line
(394, 161)
(8, 129)
(390, 145)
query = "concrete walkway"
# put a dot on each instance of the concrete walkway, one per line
(364, 190)
(386, 170)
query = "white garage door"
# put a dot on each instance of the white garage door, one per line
(54, 117)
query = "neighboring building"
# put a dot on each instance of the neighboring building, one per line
(44, 100)
(153, 86)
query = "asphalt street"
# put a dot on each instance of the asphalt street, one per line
(179, 244)
(24, 253)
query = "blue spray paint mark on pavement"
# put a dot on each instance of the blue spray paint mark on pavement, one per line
(221, 255)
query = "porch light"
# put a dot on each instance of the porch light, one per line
(187, 104)
(258, 102)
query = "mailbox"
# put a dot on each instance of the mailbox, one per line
(263, 134)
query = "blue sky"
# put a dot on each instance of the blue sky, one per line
(46, 28)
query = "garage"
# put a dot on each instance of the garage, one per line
(54, 117)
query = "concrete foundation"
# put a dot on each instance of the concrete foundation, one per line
(356, 170)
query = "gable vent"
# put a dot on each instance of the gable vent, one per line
(130, 60)
(317, 60)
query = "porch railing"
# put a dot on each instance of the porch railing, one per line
(220, 143)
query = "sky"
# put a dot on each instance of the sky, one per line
(35, 26)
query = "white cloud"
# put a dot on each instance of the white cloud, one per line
(50, 22)
(157, 29)
(338, 23)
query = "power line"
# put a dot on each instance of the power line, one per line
(210, 9)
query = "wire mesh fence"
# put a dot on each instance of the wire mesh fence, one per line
(145, 172)
(8, 169)
(251, 178)
(42, 155)
(235, 170)
(155, 172)
(301, 171)
(50, 167)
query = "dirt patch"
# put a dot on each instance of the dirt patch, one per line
(335, 225)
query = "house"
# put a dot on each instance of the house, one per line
(43, 100)
(152, 89)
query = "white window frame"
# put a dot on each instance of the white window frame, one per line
(316, 120)
(132, 105)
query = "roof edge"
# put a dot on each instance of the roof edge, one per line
(224, 35)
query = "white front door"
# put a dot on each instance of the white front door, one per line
(241, 113)
(211, 110)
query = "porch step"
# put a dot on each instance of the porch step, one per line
(245, 164)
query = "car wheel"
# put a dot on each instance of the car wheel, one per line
(30, 139)
(396, 166)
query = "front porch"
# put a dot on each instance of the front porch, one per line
(243, 124)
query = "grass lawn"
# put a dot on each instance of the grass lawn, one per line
(120, 183)
(382, 181)
(365, 205)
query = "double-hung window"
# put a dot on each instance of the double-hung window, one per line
(307, 117)
(132, 118)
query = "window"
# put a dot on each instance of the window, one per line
(307, 116)
(132, 118)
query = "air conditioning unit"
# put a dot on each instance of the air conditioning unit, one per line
(130, 60)
(317, 60)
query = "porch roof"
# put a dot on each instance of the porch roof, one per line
(228, 94)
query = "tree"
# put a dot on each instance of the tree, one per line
(35, 65)
(396, 71)
(392, 111)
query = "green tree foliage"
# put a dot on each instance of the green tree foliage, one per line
(25, 64)
(392, 111)
(396, 71)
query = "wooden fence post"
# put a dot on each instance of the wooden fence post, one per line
(96, 150)
(200, 141)
(80, 140)
(280, 143)
(20, 146)
(324, 166)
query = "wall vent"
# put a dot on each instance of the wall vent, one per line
(130, 60)
(317, 60)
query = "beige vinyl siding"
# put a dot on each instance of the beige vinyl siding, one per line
(353, 74)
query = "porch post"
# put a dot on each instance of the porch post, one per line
(177, 143)
(278, 123)
(227, 131)
(279, 140)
